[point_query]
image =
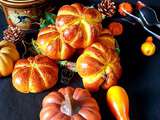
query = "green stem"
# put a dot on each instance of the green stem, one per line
(35, 47)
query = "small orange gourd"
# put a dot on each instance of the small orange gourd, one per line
(148, 48)
(70, 104)
(118, 102)
(125, 6)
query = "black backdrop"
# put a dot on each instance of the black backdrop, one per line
(140, 79)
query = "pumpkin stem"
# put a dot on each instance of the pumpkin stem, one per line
(149, 39)
(70, 106)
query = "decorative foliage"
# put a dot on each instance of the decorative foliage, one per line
(48, 19)
(69, 65)
(35, 47)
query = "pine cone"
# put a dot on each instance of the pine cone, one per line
(107, 7)
(13, 34)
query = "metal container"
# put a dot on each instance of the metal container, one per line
(24, 13)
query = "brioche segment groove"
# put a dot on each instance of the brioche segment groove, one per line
(64, 25)
(88, 31)
(29, 80)
(42, 77)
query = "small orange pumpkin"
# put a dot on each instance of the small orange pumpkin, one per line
(70, 104)
(8, 56)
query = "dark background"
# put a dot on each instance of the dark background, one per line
(140, 79)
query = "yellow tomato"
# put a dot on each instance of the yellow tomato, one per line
(148, 48)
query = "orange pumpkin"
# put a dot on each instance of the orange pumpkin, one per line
(8, 56)
(70, 104)
(34, 74)
(78, 25)
(98, 66)
(50, 44)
